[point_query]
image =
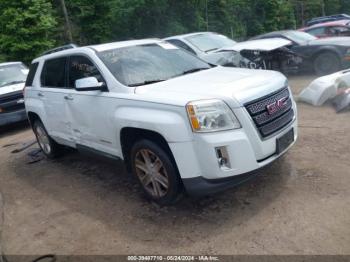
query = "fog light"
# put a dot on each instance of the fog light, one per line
(223, 157)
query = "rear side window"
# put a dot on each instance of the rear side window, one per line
(53, 74)
(31, 74)
(81, 67)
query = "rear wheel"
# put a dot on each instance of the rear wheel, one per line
(326, 63)
(155, 172)
(49, 147)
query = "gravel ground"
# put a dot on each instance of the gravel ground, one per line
(80, 205)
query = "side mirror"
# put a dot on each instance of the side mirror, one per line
(89, 84)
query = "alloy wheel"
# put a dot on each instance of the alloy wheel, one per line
(151, 173)
(43, 139)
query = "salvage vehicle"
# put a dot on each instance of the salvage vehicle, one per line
(324, 19)
(323, 56)
(12, 78)
(337, 28)
(177, 122)
(217, 49)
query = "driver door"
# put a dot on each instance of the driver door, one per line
(91, 111)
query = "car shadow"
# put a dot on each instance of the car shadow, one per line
(12, 129)
(104, 191)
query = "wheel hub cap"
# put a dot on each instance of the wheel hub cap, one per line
(151, 173)
(43, 140)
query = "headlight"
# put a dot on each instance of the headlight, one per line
(210, 116)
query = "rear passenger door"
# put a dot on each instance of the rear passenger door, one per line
(54, 93)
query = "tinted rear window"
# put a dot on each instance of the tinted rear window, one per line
(32, 71)
(53, 74)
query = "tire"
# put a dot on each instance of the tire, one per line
(155, 172)
(326, 63)
(48, 146)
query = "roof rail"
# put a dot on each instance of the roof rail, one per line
(60, 48)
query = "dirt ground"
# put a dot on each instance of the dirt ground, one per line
(81, 205)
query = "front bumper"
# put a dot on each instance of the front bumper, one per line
(198, 165)
(13, 117)
(200, 186)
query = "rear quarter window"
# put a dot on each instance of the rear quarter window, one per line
(31, 74)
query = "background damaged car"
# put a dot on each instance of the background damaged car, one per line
(271, 54)
(323, 56)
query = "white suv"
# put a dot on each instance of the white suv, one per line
(178, 123)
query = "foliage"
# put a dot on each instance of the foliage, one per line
(26, 28)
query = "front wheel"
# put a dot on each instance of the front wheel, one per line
(156, 172)
(326, 63)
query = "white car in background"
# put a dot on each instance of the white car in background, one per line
(218, 49)
(12, 78)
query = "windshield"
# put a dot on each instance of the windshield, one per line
(12, 74)
(210, 42)
(299, 37)
(146, 64)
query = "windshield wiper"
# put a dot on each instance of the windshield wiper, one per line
(194, 70)
(13, 83)
(147, 82)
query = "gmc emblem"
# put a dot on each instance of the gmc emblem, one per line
(276, 106)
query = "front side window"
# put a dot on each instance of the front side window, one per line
(81, 67)
(12, 74)
(53, 73)
(146, 64)
(210, 42)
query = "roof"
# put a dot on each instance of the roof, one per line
(114, 45)
(187, 35)
(328, 16)
(98, 48)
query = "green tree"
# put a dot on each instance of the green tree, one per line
(26, 28)
(91, 20)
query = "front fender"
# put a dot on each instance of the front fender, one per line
(173, 126)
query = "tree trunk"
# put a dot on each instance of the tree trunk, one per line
(67, 23)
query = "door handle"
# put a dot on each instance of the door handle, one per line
(40, 94)
(68, 97)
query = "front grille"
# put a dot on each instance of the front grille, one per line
(270, 122)
(9, 102)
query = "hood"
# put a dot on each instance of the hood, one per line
(11, 88)
(343, 41)
(258, 45)
(236, 86)
(231, 55)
